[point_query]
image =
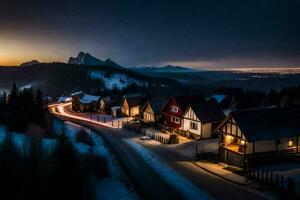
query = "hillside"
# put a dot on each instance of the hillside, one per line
(57, 78)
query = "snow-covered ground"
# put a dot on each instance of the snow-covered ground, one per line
(117, 181)
(28, 86)
(4, 90)
(117, 80)
(118, 177)
(21, 140)
(188, 190)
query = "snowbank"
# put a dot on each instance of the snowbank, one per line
(117, 178)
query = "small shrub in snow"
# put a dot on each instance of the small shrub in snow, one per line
(173, 139)
(83, 137)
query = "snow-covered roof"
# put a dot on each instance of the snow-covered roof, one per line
(64, 99)
(76, 93)
(89, 98)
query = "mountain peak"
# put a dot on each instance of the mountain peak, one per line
(26, 64)
(109, 62)
(87, 59)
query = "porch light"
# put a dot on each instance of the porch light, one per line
(229, 137)
(243, 142)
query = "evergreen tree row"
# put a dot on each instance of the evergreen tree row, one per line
(31, 173)
(20, 109)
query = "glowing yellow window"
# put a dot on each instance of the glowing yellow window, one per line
(290, 143)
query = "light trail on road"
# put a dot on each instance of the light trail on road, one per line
(61, 111)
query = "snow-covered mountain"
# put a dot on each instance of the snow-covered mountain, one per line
(33, 62)
(117, 80)
(87, 59)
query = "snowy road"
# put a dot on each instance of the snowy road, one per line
(151, 178)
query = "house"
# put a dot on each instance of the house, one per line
(175, 108)
(85, 103)
(152, 110)
(200, 119)
(116, 111)
(131, 105)
(258, 136)
(106, 103)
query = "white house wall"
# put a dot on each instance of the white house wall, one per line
(191, 117)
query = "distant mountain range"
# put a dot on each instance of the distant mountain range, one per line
(33, 62)
(164, 69)
(87, 74)
(87, 59)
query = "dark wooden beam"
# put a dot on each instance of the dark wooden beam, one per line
(297, 138)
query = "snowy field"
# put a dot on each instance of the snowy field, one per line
(118, 181)
(188, 190)
(119, 81)
(21, 140)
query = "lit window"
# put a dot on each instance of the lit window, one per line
(174, 109)
(290, 143)
(193, 126)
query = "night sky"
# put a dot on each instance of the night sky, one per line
(212, 33)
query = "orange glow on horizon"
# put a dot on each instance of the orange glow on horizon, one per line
(15, 51)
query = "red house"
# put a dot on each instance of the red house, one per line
(175, 108)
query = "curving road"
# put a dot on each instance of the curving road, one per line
(150, 183)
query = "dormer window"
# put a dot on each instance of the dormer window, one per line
(174, 109)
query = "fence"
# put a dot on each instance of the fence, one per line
(119, 123)
(164, 139)
(157, 136)
(276, 180)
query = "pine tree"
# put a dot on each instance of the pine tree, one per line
(66, 178)
(15, 114)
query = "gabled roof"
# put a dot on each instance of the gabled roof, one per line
(208, 111)
(184, 101)
(267, 124)
(135, 101)
(156, 104)
(89, 98)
